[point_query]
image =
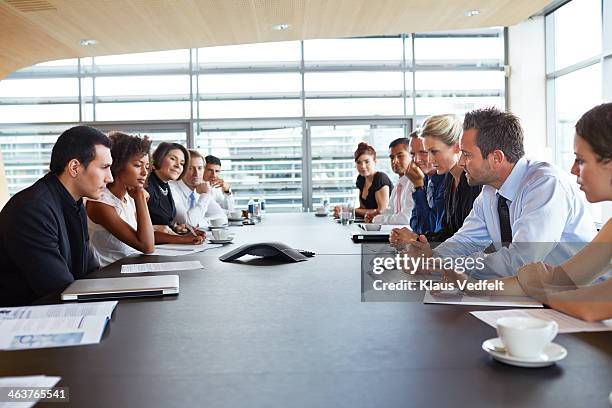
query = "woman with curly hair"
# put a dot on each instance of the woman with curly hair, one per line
(119, 222)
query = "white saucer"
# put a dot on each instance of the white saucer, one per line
(236, 219)
(221, 241)
(552, 353)
(212, 227)
(321, 214)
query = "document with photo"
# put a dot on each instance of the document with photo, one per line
(17, 334)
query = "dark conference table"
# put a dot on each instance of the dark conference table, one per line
(256, 334)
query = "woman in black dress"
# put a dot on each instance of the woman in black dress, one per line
(169, 163)
(374, 186)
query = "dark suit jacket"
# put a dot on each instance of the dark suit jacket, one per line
(44, 244)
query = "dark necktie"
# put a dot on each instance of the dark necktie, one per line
(504, 220)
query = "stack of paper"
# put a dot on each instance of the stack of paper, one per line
(53, 325)
(567, 324)
(25, 382)
(161, 267)
(181, 249)
(493, 301)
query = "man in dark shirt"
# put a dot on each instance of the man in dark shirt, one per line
(44, 244)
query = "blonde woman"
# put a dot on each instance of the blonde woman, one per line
(442, 134)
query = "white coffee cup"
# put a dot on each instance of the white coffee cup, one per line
(235, 214)
(220, 234)
(321, 210)
(372, 227)
(217, 222)
(526, 337)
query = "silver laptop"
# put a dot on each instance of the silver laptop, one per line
(114, 288)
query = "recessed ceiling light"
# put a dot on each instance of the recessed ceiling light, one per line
(280, 27)
(87, 42)
(472, 13)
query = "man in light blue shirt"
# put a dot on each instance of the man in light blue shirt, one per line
(528, 210)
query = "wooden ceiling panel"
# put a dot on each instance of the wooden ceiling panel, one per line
(51, 29)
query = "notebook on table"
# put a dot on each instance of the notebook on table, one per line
(117, 288)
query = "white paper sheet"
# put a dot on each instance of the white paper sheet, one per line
(61, 310)
(462, 299)
(178, 249)
(567, 324)
(51, 332)
(161, 267)
(30, 381)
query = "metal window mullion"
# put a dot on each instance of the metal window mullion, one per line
(413, 70)
(550, 99)
(306, 141)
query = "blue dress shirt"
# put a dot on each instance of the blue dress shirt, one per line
(549, 219)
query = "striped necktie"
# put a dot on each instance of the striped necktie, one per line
(192, 200)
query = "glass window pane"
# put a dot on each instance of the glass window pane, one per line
(354, 107)
(459, 48)
(575, 93)
(457, 105)
(468, 81)
(39, 88)
(577, 32)
(250, 109)
(263, 163)
(287, 51)
(249, 83)
(353, 81)
(333, 164)
(39, 113)
(142, 111)
(146, 58)
(26, 152)
(143, 85)
(353, 49)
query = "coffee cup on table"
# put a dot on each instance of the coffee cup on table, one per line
(220, 234)
(526, 337)
(235, 214)
(321, 210)
(217, 222)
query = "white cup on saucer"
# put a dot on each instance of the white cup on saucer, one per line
(235, 214)
(220, 234)
(526, 337)
(321, 210)
(217, 222)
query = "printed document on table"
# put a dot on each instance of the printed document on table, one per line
(161, 267)
(178, 249)
(567, 324)
(51, 332)
(61, 310)
(462, 299)
(29, 381)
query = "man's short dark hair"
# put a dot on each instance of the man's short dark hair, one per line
(79, 143)
(400, 141)
(414, 134)
(162, 151)
(210, 159)
(496, 130)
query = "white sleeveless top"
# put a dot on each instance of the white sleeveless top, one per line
(105, 246)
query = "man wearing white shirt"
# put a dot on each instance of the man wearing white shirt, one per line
(528, 210)
(192, 195)
(221, 191)
(400, 202)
